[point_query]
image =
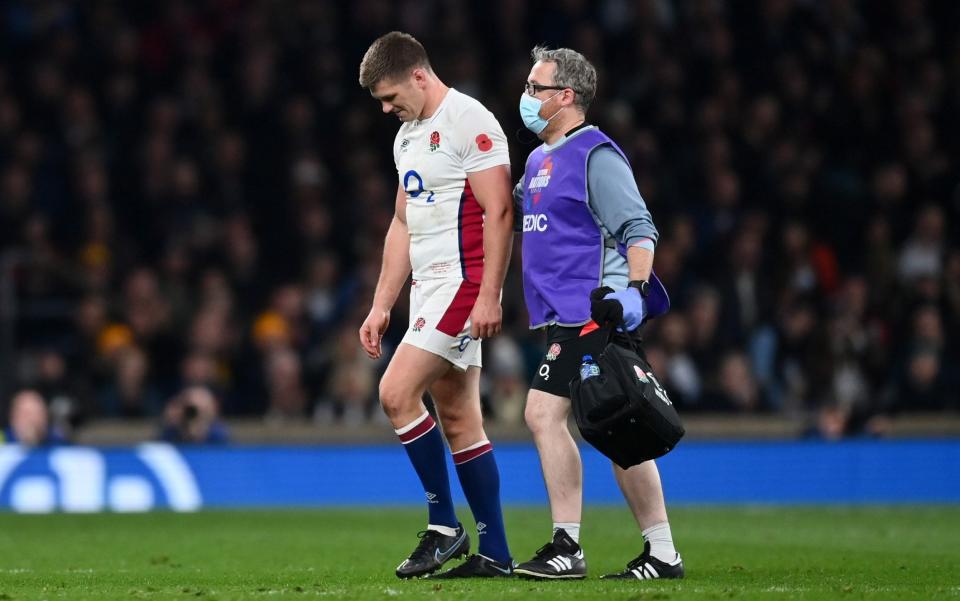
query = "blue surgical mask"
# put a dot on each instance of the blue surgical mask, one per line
(530, 112)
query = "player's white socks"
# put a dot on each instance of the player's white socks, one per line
(444, 530)
(661, 542)
(572, 528)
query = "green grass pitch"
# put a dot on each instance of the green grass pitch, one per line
(896, 553)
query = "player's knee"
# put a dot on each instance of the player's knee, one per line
(393, 400)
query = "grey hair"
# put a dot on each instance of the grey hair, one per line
(574, 71)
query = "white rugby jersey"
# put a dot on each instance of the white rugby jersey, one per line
(433, 158)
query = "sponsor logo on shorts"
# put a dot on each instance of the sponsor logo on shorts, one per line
(553, 352)
(464, 343)
(544, 372)
(418, 325)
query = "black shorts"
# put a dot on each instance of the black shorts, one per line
(565, 350)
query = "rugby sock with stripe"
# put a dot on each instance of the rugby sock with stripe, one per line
(424, 445)
(480, 480)
(661, 542)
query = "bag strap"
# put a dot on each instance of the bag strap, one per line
(634, 344)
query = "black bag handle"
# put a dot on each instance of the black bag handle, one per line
(611, 320)
(631, 337)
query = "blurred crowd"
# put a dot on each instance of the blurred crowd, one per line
(194, 194)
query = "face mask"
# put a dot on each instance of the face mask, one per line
(530, 112)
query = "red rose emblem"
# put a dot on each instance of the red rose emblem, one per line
(484, 143)
(435, 138)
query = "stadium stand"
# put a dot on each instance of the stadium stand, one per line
(194, 194)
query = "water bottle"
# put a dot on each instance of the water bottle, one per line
(588, 368)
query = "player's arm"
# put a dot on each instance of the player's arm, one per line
(494, 193)
(393, 274)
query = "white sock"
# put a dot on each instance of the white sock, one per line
(572, 529)
(661, 542)
(444, 530)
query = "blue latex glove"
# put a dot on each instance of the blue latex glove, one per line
(634, 306)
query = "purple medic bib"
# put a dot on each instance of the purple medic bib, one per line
(562, 244)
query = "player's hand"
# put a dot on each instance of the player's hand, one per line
(371, 332)
(486, 317)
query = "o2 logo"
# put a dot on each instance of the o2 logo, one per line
(419, 190)
(83, 480)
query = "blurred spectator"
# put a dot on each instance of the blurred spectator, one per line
(131, 393)
(193, 416)
(30, 422)
(681, 377)
(271, 331)
(351, 389)
(703, 313)
(926, 384)
(922, 254)
(926, 377)
(745, 297)
(508, 382)
(734, 388)
(803, 359)
(286, 395)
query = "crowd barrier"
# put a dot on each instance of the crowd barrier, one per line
(159, 476)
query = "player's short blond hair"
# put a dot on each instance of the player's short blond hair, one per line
(392, 56)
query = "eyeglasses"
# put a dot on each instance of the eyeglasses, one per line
(534, 88)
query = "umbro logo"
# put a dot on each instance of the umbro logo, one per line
(481, 527)
(432, 498)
